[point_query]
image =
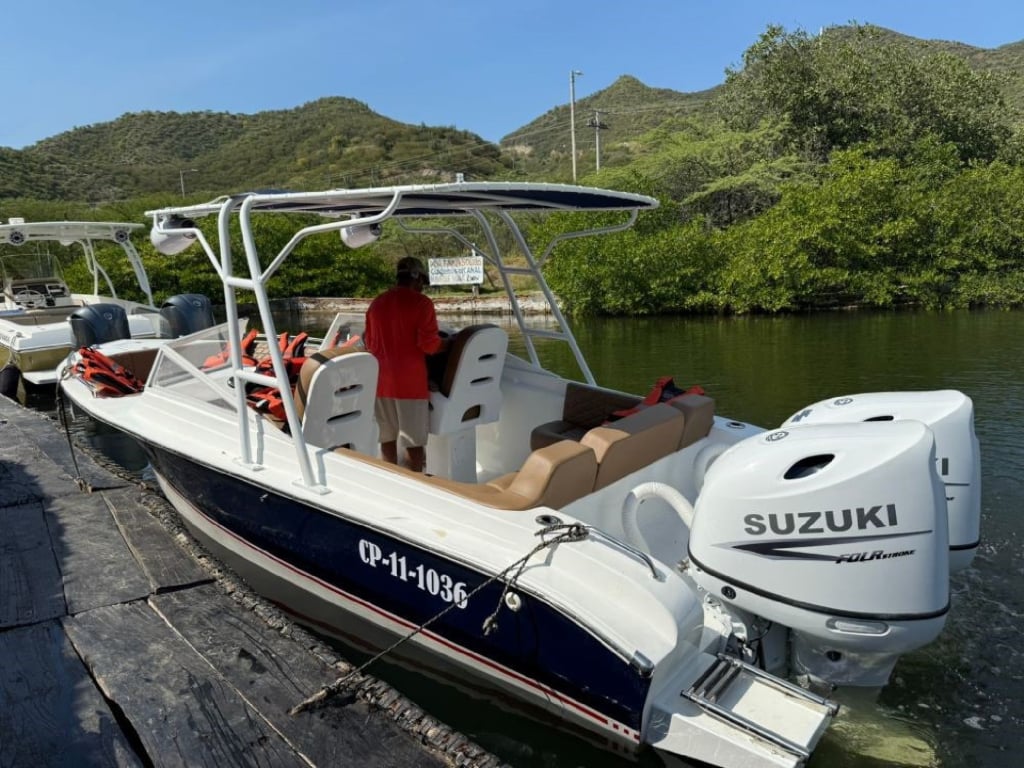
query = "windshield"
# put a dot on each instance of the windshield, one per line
(197, 366)
(29, 266)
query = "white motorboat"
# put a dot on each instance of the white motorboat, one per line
(663, 578)
(39, 309)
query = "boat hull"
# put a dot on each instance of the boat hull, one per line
(346, 579)
(37, 346)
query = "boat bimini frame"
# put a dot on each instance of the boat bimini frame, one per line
(357, 215)
(18, 232)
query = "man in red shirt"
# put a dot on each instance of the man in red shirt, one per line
(401, 329)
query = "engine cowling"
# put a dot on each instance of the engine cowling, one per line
(98, 324)
(950, 416)
(837, 531)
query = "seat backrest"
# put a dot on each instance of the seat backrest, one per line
(552, 476)
(699, 412)
(624, 446)
(589, 406)
(334, 398)
(470, 390)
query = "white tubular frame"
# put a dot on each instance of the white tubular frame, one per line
(386, 203)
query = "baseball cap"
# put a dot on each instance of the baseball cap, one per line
(413, 267)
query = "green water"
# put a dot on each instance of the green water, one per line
(959, 701)
(956, 703)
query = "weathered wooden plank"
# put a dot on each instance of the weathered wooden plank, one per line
(276, 672)
(184, 713)
(18, 485)
(28, 473)
(31, 589)
(178, 707)
(161, 557)
(51, 714)
(96, 564)
(45, 434)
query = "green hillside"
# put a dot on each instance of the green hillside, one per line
(329, 142)
(853, 167)
(338, 141)
(625, 110)
(1006, 61)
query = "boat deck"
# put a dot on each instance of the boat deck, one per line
(122, 646)
(39, 316)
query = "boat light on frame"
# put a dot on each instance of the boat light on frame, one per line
(166, 240)
(358, 235)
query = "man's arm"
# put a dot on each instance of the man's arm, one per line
(368, 334)
(428, 339)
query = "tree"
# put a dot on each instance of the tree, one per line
(861, 84)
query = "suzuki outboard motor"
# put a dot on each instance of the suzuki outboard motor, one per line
(187, 313)
(836, 531)
(98, 324)
(950, 416)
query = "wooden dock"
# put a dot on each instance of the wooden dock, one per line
(122, 644)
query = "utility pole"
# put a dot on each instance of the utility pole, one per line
(598, 126)
(181, 177)
(572, 117)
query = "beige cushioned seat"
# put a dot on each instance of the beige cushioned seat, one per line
(583, 408)
(633, 442)
(699, 413)
(550, 477)
(334, 398)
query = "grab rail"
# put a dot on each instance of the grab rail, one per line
(640, 555)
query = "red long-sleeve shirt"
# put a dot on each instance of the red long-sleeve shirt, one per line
(401, 328)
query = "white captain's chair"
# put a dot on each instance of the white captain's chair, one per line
(334, 398)
(468, 394)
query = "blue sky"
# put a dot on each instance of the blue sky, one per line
(480, 65)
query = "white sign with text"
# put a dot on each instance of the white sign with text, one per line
(461, 270)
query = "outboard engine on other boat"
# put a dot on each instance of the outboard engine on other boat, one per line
(836, 532)
(10, 378)
(187, 313)
(950, 415)
(98, 324)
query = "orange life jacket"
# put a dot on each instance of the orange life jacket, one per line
(663, 391)
(248, 347)
(268, 399)
(336, 340)
(106, 377)
(292, 352)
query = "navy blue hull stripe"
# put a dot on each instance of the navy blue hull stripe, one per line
(537, 646)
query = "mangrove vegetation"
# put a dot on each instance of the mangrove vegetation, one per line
(854, 167)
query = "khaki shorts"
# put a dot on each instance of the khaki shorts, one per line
(410, 418)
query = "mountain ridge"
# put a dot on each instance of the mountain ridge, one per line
(339, 141)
